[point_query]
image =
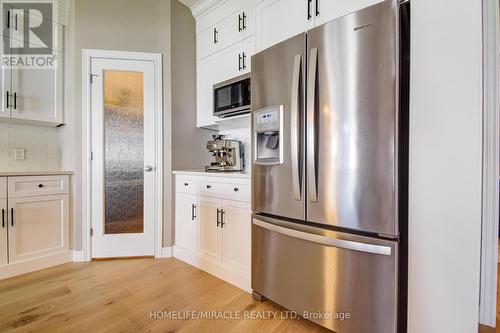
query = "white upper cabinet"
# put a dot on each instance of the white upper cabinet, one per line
(207, 73)
(327, 10)
(224, 42)
(207, 42)
(277, 20)
(31, 87)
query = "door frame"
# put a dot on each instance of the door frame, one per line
(156, 58)
(490, 151)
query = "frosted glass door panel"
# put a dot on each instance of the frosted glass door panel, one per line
(123, 152)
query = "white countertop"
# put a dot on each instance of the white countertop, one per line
(35, 173)
(212, 174)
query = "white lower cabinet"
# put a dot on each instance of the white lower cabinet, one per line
(186, 228)
(3, 232)
(219, 218)
(34, 231)
(210, 232)
(38, 226)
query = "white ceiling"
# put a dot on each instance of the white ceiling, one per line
(188, 3)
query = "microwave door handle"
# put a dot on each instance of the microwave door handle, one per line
(311, 127)
(295, 128)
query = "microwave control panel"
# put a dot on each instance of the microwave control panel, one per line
(268, 119)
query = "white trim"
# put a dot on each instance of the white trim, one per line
(489, 250)
(166, 252)
(35, 264)
(201, 7)
(235, 278)
(78, 256)
(87, 55)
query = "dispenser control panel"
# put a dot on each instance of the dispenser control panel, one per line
(267, 120)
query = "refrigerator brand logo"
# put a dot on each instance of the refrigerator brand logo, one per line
(361, 27)
(28, 35)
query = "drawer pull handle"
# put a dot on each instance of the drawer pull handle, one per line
(236, 189)
(186, 184)
(3, 218)
(209, 186)
(12, 217)
(40, 185)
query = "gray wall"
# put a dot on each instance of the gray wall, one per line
(122, 25)
(188, 142)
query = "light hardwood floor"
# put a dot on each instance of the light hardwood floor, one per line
(119, 295)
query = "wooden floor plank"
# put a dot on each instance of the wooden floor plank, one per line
(120, 295)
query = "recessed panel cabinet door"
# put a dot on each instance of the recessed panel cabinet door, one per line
(328, 10)
(207, 42)
(37, 226)
(206, 77)
(3, 228)
(278, 20)
(209, 229)
(230, 62)
(237, 228)
(186, 227)
(231, 29)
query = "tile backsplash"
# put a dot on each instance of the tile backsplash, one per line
(41, 145)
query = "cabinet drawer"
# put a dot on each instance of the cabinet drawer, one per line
(238, 192)
(37, 185)
(185, 184)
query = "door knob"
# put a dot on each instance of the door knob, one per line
(148, 168)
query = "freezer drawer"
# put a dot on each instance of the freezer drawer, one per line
(318, 272)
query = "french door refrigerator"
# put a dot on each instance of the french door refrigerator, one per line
(329, 173)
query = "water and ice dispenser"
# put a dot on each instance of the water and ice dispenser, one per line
(268, 135)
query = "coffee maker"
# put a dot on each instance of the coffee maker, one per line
(228, 154)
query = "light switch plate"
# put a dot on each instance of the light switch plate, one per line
(19, 154)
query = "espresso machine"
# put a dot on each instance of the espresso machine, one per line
(227, 153)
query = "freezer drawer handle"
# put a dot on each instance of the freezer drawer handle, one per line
(295, 129)
(311, 127)
(339, 243)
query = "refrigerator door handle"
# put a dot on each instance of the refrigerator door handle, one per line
(311, 127)
(327, 241)
(295, 128)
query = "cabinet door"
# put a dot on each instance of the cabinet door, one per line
(278, 20)
(206, 77)
(249, 18)
(328, 10)
(248, 52)
(207, 42)
(38, 226)
(5, 73)
(236, 237)
(210, 235)
(230, 62)
(186, 226)
(231, 29)
(3, 228)
(36, 94)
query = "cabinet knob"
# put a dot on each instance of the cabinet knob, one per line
(208, 186)
(40, 185)
(236, 189)
(186, 184)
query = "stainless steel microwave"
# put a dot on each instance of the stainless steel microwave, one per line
(232, 97)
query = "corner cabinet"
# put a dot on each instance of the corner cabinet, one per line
(34, 230)
(31, 94)
(213, 226)
(224, 44)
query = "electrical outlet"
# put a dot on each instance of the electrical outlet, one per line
(19, 154)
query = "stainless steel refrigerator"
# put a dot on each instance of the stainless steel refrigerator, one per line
(329, 173)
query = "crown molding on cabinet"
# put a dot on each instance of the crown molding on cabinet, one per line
(201, 7)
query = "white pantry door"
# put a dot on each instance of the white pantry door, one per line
(123, 150)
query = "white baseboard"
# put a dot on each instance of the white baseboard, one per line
(166, 252)
(78, 256)
(35, 264)
(235, 278)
